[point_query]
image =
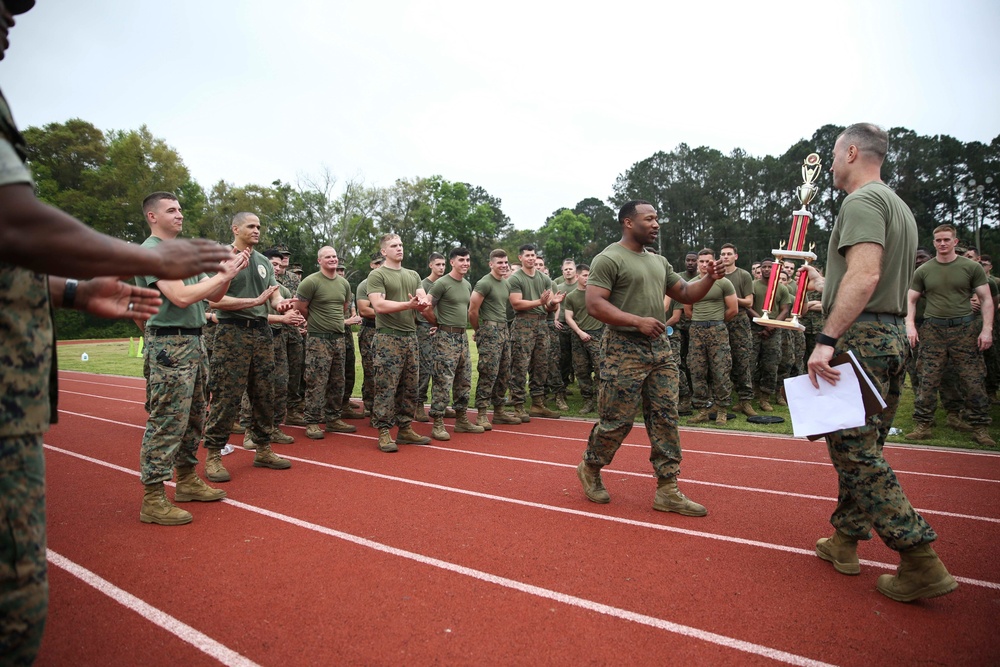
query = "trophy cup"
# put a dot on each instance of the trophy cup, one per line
(794, 250)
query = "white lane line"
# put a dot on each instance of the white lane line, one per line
(103, 398)
(551, 508)
(157, 617)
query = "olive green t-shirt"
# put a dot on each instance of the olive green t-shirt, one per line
(496, 298)
(530, 288)
(451, 301)
(285, 294)
(742, 282)
(637, 281)
(326, 298)
(712, 306)
(812, 320)
(250, 283)
(395, 285)
(426, 284)
(171, 315)
(567, 289)
(576, 301)
(948, 287)
(760, 290)
(874, 214)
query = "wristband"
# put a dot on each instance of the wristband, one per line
(823, 339)
(69, 293)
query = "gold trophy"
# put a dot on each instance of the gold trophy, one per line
(795, 250)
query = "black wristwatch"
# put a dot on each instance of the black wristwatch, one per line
(823, 339)
(69, 293)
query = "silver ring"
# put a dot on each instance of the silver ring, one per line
(131, 306)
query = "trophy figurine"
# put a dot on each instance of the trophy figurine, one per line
(794, 250)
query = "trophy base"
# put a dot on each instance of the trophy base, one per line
(791, 325)
(793, 254)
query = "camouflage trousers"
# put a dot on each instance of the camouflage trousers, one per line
(741, 346)
(350, 363)
(366, 340)
(767, 356)
(493, 345)
(710, 362)
(951, 350)
(869, 494)
(324, 376)
(452, 372)
(426, 343)
(681, 352)
(950, 393)
(281, 380)
(637, 371)
(554, 380)
(587, 361)
(793, 345)
(530, 354)
(295, 353)
(566, 371)
(178, 396)
(397, 365)
(243, 361)
(24, 584)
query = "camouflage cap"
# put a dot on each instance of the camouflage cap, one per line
(377, 257)
(18, 6)
(278, 250)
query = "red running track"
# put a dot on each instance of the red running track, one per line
(483, 550)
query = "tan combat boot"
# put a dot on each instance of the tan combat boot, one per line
(920, 574)
(157, 509)
(923, 431)
(280, 437)
(501, 416)
(385, 442)
(340, 426)
(593, 487)
(348, 412)
(439, 432)
(699, 418)
(539, 409)
(764, 400)
(449, 413)
(266, 458)
(842, 550)
(296, 418)
(314, 432)
(420, 414)
(746, 408)
(981, 436)
(481, 421)
(248, 442)
(237, 428)
(781, 397)
(214, 470)
(561, 401)
(463, 425)
(588, 406)
(191, 487)
(956, 422)
(407, 436)
(670, 499)
(520, 413)
(721, 417)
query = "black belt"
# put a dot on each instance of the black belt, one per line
(593, 332)
(454, 330)
(884, 318)
(325, 335)
(365, 322)
(395, 332)
(172, 331)
(707, 323)
(950, 321)
(256, 323)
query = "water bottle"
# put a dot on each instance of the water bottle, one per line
(228, 449)
(84, 357)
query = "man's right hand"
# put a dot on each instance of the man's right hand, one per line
(651, 327)
(264, 296)
(183, 258)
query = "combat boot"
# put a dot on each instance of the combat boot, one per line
(266, 458)
(439, 432)
(561, 401)
(764, 400)
(340, 426)
(521, 414)
(214, 470)
(538, 408)
(449, 413)
(501, 416)
(385, 442)
(248, 442)
(588, 406)
(593, 487)
(237, 428)
(956, 422)
(280, 437)
(746, 408)
(420, 414)
(684, 406)
(699, 418)
(157, 509)
(463, 425)
(781, 397)
(348, 412)
(670, 499)
(981, 436)
(407, 436)
(191, 487)
(481, 421)
(842, 550)
(721, 417)
(924, 431)
(314, 432)
(920, 574)
(296, 418)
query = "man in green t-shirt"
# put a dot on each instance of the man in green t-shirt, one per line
(767, 340)
(869, 264)
(561, 364)
(625, 290)
(366, 337)
(948, 336)
(709, 355)
(740, 334)
(451, 362)
(324, 300)
(436, 266)
(587, 334)
(294, 340)
(793, 341)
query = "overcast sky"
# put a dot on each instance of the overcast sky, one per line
(542, 103)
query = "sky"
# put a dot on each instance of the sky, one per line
(541, 103)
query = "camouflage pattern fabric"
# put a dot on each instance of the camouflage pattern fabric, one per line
(243, 361)
(178, 397)
(493, 345)
(793, 344)
(868, 486)
(280, 380)
(324, 377)
(295, 353)
(554, 379)
(530, 354)
(426, 344)
(366, 340)
(767, 353)
(566, 338)
(452, 372)
(350, 362)
(637, 371)
(682, 367)
(24, 588)
(710, 361)
(951, 350)
(741, 346)
(587, 360)
(397, 363)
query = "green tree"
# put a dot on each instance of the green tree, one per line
(566, 234)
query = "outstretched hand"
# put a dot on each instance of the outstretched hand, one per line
(111, 298)
(183, 258)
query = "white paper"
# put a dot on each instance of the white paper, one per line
(868, 380)
(829, 408)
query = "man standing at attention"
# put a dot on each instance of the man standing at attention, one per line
(948, 337)
(870, 262)
(366, 338)
(740, 335)
(625, 291)
(767, 340)
(395, 293)
(436, 266)
(323, 299)
(561, 365)
(587, 335)
(709, 357)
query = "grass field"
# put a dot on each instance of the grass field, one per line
(112, 358)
